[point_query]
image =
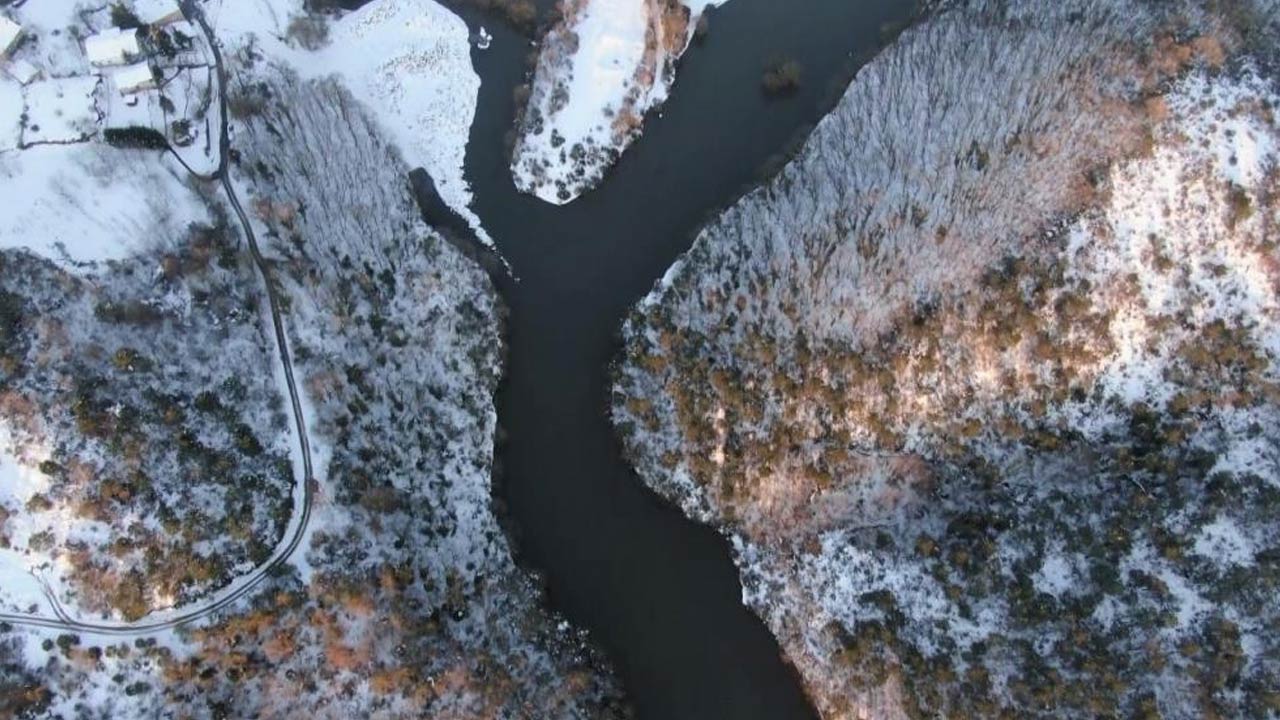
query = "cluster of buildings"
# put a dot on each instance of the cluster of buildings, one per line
(128, 64)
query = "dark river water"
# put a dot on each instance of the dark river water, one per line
(659, 594)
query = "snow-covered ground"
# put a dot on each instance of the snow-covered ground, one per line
(88, 203)
(20, 481)
(408, 60)
(10, 114)
(73, 198)
(607, 64)
(60, 110)
(1171, 242)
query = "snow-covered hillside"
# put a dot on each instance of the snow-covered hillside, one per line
(409, 591)
(409, 61)
(148, 452)
(153, 451)
(601, 69)
(143, 469)
(988, 400)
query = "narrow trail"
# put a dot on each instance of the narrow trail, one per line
(304, 486)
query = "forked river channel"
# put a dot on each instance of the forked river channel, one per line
(659, 593)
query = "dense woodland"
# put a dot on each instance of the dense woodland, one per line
(145, 397)
(988, 400)
(413, 604)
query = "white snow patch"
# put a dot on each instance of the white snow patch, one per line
(84, 204)
(19, 482)
(235, 21)
(56, 28)
(410, 61)
(60, 110)
(593, 86)
(1224, 543)
(10, 115)
(1242, 147)
(1056, 576)
(1174, 208)
(611, 45)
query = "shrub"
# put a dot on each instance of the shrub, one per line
(143, 138)
(129, 360)
(124, 18)
(310, 32)
(781, 77)
(521, 13)
(130, 312)
(1241, 206)
(11, 318)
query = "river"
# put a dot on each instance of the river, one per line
(659, 593)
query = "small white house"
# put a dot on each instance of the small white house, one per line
(157, 12)
(133, 79)
(112, 47)
(10, 34)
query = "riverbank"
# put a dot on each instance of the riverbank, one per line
(658, 593)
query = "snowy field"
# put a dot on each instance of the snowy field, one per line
(10, 115)
(85, 204)
(61, 110)
(609, 63)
